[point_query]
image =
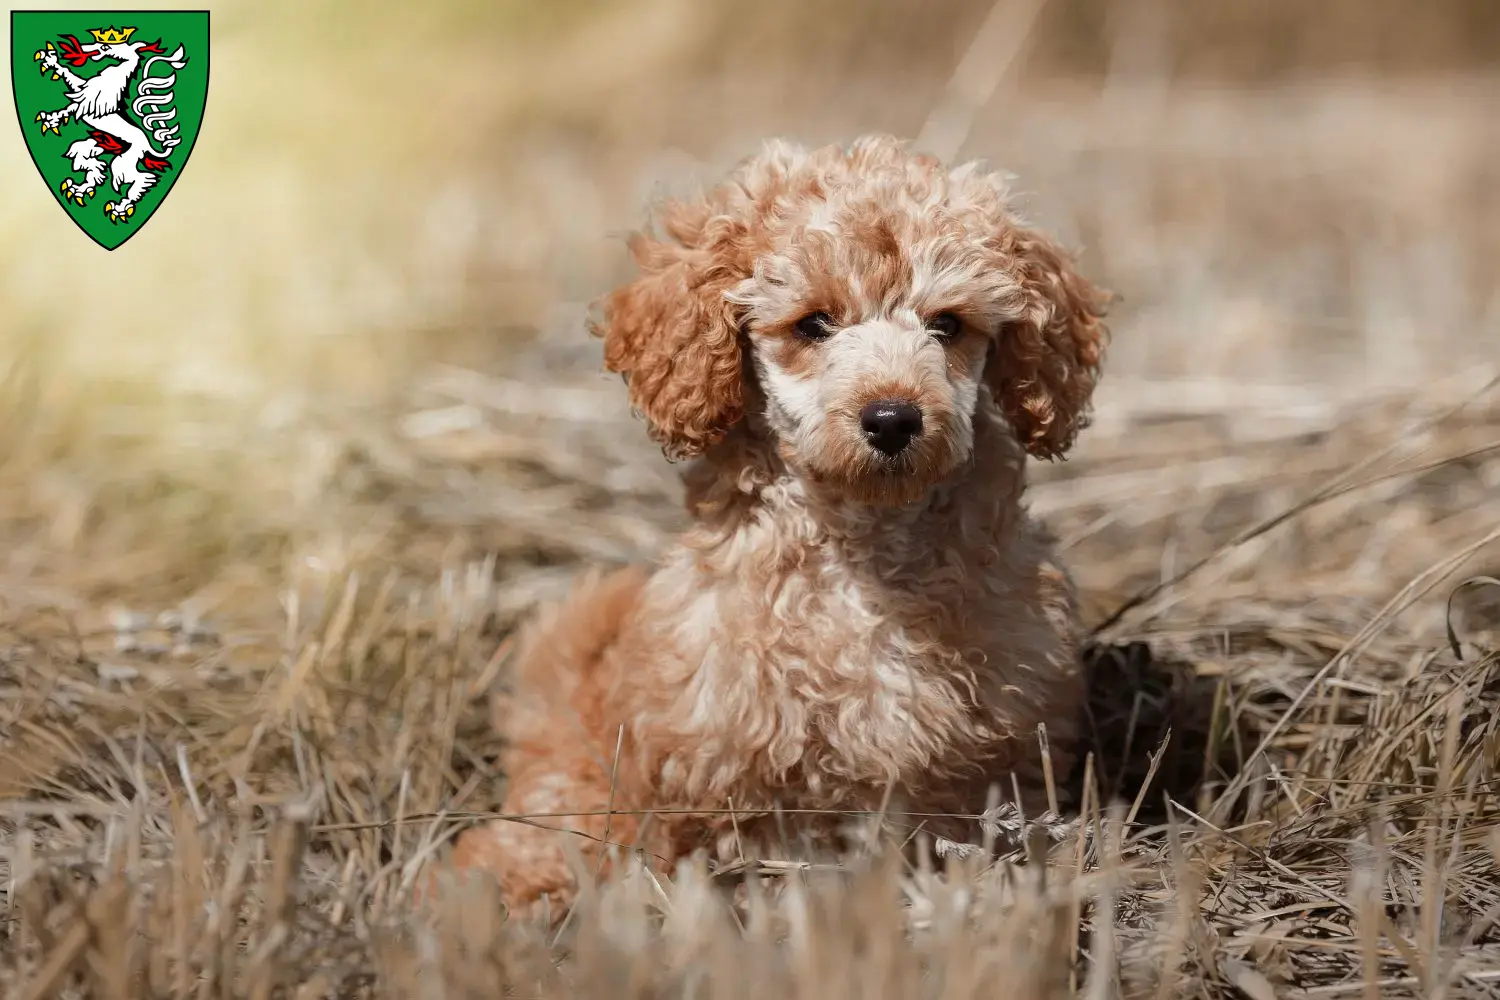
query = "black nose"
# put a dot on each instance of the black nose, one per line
(890, 425)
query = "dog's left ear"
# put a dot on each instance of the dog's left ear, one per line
(675, 338)
(1044, 366)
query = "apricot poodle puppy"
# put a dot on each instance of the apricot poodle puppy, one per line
(857, 347)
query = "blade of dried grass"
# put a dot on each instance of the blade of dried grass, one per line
(288, 845)
(1434, 882)
(1047, 777)
(604, 842)
(1080, 859)
(1151, 769)
(1473, 581)
(990, 53)
(1367, 876)
(110, 957)
(1177, 938)
(59, 962)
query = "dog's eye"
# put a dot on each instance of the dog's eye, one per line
(815, 326)
(945, 326)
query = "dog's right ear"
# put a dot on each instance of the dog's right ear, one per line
(674, 337)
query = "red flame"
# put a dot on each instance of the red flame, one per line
(106, 141)
(71, 50)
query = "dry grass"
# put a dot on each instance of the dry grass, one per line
(262, 549)
(1304, 770)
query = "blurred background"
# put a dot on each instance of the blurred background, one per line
(353, 332)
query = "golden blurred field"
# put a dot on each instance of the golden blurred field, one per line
(279, 476)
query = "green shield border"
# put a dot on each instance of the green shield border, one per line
(114, 18)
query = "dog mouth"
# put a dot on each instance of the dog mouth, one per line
(888, 483)
(904, 465)
(860, 470)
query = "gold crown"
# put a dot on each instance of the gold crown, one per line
(111, 36)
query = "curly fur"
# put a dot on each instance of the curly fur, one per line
(837, 627)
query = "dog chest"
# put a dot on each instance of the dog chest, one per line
(812, 674)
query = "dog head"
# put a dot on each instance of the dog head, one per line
(878, 298)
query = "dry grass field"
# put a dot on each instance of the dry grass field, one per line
(279, 477)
